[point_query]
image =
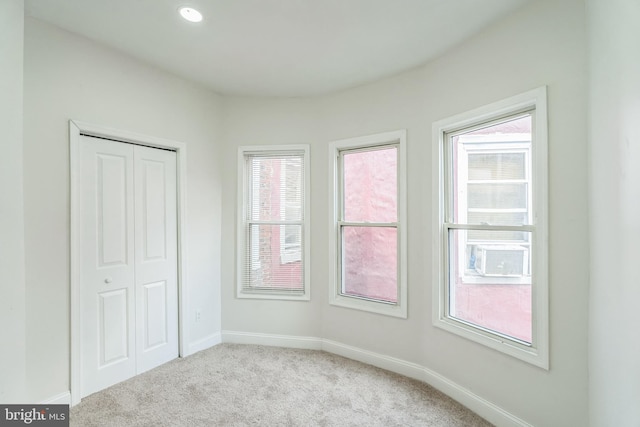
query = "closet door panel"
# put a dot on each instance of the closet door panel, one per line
(107, 266)
(156, 257)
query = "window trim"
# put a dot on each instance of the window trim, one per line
(241, 215)
(537, 353)
(336, 298)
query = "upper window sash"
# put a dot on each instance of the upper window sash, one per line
(485, 146)
(341, 185)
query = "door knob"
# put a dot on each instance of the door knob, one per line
(108, 280)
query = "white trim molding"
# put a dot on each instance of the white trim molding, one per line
(203, 344)
(478, 404)
(76, 130)
(59, 399)
(289, 341)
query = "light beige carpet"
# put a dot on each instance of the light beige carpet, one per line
(246, 385)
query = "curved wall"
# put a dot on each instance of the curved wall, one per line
(541, 44)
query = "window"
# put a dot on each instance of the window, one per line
(491, 222)
(368, 227)
(273, 223)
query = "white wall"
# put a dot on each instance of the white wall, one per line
(70, 77)
(614, 347)
(249, 121)
(12, 285)
(542, 44)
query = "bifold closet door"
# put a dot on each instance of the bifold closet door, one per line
(129, 298)
(156, 257)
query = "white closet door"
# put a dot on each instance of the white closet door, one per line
(156, 257)
(107, 264)
(128, 261)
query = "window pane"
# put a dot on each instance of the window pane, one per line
(476, 235)
(498, 218)
(291, 189)
(491, 170)
(291, 243)
(292, 235)
(497, 196)
(490, 283)
(497, 166)
(266, 268)
(370, 266)
(489, 236)
(370, 185)
(508, 131)
(276, 188)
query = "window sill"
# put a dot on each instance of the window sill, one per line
(386, 309)
(274, 296)
(522, 351)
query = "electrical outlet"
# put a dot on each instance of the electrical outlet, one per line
(198, 315)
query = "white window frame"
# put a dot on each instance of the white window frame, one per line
(242, 222)
(336, 298)
(536, 353)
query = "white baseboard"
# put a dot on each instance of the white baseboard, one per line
(489, 411)
(290, 341)
(204, 343)
(399, 366)
(59, 399)
(477, 404)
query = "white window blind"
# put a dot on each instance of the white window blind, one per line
(273, 229)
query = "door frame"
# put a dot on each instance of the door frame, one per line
(77, 129)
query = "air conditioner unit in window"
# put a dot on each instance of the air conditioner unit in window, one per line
(502, 260)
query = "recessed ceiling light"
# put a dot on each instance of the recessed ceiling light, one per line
(190, 14)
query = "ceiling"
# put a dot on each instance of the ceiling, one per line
(278, 47)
